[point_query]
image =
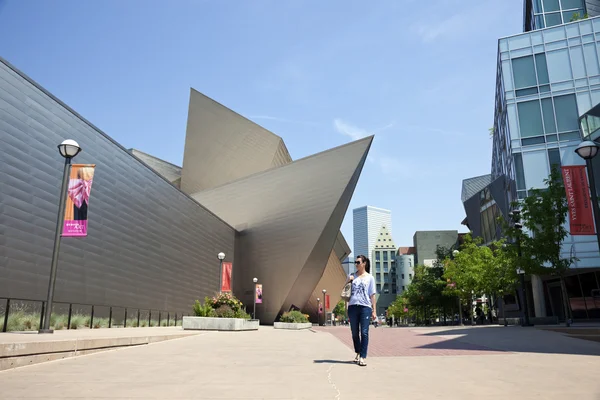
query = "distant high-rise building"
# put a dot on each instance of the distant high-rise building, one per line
(383, 268)
(368, 221)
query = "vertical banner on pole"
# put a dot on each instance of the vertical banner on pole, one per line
(258, 293)
(327, 302)
(581, 217)
(75, 222)
(226, 277)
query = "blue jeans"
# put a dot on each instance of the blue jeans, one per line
(360, 319)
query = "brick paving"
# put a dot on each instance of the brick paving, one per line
(406, 342)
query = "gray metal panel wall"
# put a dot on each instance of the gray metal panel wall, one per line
(170, 172)
(149, 245)
(593, 7)
(288, 220)
(473, 211)
(426, 243)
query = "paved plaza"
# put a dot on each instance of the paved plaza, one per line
(405, 363)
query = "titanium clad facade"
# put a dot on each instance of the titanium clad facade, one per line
(288, 220)
(221, 146)
(148, 246)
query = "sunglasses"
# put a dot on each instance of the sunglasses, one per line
(357, 262)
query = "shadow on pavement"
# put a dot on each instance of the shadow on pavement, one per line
(332, 362)
(510, 339)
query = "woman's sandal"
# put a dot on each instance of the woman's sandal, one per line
(362, 362)
(357, 358)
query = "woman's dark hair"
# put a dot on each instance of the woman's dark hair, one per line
(367, 263)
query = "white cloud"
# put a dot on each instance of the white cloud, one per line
(455, 24)
(353, 132)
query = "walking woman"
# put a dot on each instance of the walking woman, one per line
(361, 308)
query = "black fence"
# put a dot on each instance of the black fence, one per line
(94, 309)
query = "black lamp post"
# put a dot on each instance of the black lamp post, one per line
(324, 309)
(460, 320)
(68, 149)
(254, 312)
(588, 150)
(318, 309)
(516, 216)
(221, 257)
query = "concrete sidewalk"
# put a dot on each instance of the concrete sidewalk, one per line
(27, 348)
(279, 364)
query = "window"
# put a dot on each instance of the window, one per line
(385, 256)
(410, 277)
(535, 164)
(554, 158)
(548, 112)
(591, 59)
(568, 4)
(551, 5)
(402, 276)
(567, 118)
(577, 62)
(392, 255)
(542, 68)
(553, 19)
(530, 118)
(377, 266)
(385, 267)
(524, 72)
(403, 287)
(377, 256)
(378, 288)
(378, 277)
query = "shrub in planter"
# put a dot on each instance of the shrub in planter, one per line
(294, 317)
(223, 305)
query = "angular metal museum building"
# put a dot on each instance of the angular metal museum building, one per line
(156, 228)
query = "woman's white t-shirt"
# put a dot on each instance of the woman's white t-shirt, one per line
(362, 290)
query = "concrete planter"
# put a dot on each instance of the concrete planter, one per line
(293, 326)
(219, 324)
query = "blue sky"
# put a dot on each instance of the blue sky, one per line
(420, 75)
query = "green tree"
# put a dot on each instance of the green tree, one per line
(340, 309)
(544, 214)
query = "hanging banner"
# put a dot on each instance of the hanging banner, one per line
(78, 199)
(581, 217)
(326, 301)
(258, 293)
(226, 277)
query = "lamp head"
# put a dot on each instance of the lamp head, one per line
(221, 256)
(69, 148)
(255, 280)
(587, 150)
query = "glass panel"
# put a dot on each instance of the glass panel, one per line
(569, 16)
(548, 112)
(583, 101)
(550, 35)
(572, 30)
(567, 118)
(553, 19)
(562, 86)
(544, 89)
(535, 165)
(510, 95)
(518, 159)
(521, 52)
(504, 56)
(532, 141)
(589, 285)
(554, 158)
(511, 111)
(518, 42)
(596, 23)
(538, 49)
(581, 82)
(574, 41)
(595, 97)
(524, 72)
(556, 45)
(569, 136)
(530, 119)
(506, 75)
(526, 92)
(594, 80)
(575, 297)
(550, 5)
(542, 68)
(568, 4)
(591, 59)
(504, 44)
(587, 38)
(559, 68)
(539, 22)
(537, 6)
(577, 62)
(585, 27)
(536, 38)
(551, 138)
(515, 144)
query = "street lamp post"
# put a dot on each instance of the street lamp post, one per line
(221, 257)
(516, 215)
(254, 312)
(588, 150)
(318, 309)
(324, 309)
(460, 321)
(68, 149)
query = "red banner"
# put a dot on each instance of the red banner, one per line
(326, 301)
(226, 277)
(577, 188)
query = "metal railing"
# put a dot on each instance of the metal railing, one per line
(91, 324)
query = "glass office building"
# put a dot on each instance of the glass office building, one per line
(546, 79)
